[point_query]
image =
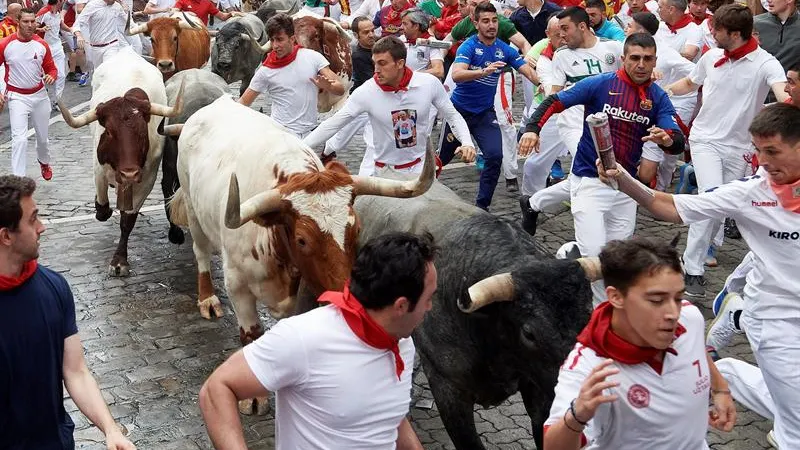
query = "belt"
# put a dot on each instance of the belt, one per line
(104, 45)
(399, 166)
(25, 91)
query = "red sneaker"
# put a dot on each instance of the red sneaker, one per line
(47, 172)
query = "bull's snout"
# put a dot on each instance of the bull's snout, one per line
(166, 65)
(130, 175)
(223, 66)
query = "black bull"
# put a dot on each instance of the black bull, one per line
(486, 356)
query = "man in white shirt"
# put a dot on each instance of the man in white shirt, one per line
(420, 57)
(341, 373)
(678, 30)
(639, 376)
(158, 8)
(28, 67)
(102, 20)
(49, 20)
(736, 79)
(292, 76)
(766, 207)
(395, 91)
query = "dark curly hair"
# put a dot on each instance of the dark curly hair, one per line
(12, 190)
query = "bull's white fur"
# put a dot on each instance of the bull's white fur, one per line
(326, 209)
(217, 140)
(113, 78)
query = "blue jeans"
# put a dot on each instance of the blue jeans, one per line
(486, 132)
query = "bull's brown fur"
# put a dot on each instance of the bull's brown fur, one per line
(321, 36)
(125, 140)
(191, 50)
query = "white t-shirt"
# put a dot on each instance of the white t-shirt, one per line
(674, 67)
(161, 4)
(733, 94)
(572, 65)
(772, 233)
(332, 391)
(425, 91)
(689, 35)
(653, 411)
(708, 35)
(293, 95)
(624, 12)
(53, 35)
(419, 57)
(102, 22)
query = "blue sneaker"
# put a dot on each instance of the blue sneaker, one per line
(479, 162)
(84, 79)
(717, 303)
(686, 185)
(556, 172)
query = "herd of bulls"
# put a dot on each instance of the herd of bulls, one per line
(505, 314)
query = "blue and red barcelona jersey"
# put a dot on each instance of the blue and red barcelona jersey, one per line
(632, 110)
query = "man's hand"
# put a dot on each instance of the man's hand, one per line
(322, 82)
(531, 61)
(492, 68)
(528, 144)
(238, 14)
(81, 42)
(467, 153)
(722, 415)
(591, 395)
(658, 136)
(607, 176)
(48, 79)
(116, 441)
(657, 75)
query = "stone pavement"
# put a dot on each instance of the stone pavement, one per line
(151, 351)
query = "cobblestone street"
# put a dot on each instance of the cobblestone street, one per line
(151, 351)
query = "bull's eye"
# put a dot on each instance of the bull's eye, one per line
(301, 242)
(175, 39)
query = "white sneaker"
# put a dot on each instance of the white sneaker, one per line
(771, 439)
(723, 327)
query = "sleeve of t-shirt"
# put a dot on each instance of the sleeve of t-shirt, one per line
(513, 58)
(698, 75)
(319, 61)
(716, 203)
(464, 53)
(259, 81)
(69, 324)
(580, 93)
(376, 21)
(695, 37)
(505, 28)
(774, 72)
(437, 54)
(278, 358)
(459, 31)
(213, 10)
(559, 76)
(180, 4)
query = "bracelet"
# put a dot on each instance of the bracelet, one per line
(569, 427)
(575, 416)
(720, 391)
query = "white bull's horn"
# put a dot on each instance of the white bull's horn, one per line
(395, 188)
(212, 33)
(169, 130)
(237, 214)
(189, 23)
(77, 122)
(138, 29)
(170, 111)
(591, 265)
(265, 47)
(497, 288)
(246, 36)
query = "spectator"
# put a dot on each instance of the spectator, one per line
(603, 27)
(778, 32)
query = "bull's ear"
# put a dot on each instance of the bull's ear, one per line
(102, 113)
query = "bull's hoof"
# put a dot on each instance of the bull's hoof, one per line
(209, 305)
(258, 406)
(119, 270)
(176, 235)
(102, 212)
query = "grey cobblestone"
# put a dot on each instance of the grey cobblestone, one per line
(151, 350)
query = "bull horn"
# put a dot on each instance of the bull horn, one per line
(169, 130)
(77, 122)
(189, 23)
(591, 265)
(395, 188)
(497, 288)
(212, 33)
(138, 29)
(265, 47)
(170, 111)
(237, 214)
(246, 37)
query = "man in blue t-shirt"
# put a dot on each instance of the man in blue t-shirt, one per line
(476, 71)
(39, 343)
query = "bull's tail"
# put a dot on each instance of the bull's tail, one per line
(178, 212)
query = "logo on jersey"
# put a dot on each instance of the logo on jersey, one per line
(646, 105)
(639, 396)
(784, 235)
(614, 93)
(765, 203)
(479, 51)
(499, 54)
(628, 116)
(610, 58)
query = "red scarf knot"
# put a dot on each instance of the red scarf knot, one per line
(641, 89)
(750, 46)
(403, 86)
(682, 22)
(700, 20)
(8, 283)
(273, 62)
(363, 325)
(599, 337)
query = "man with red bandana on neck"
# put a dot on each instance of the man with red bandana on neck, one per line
(678, 29)
(341, 373)
(639, 376)
(293, 77)
(204, 9)
(698, 10)
(40, 350)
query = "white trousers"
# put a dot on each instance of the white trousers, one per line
(714, 165)
(528, 94)
(738, 278)
(776, 346)
(505, 118)
(35, 107)
(537, 166)
(600, 214)
(100, 54)
(667, 163)
(60, 60)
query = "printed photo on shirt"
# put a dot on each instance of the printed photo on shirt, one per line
(405, 127)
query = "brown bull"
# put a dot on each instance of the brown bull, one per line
(177, 44)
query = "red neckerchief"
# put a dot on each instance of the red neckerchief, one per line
(273, 62)
(403, 82)
(599, 337)
(641, 89)
(425, 35)
(8, 283)
(700, 20)
(644, 9)
(788, 195)
(750, 46)
(548, 51)
(682, 22)
(362, 325)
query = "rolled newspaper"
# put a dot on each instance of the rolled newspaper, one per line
(601, 135)
(433, 43)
